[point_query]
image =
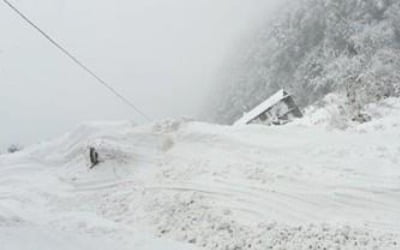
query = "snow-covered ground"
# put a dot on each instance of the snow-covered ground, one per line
(188, 185)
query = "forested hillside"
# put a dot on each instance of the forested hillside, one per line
(313, 48)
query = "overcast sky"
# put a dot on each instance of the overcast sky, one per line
(161, 54)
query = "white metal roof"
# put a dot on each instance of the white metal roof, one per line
(257, 111)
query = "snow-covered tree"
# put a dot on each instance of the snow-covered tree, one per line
(313, 48)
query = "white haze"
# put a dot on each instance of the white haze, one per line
(161, 54)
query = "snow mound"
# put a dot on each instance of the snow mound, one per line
(385, 116)
(208, 186)
(333, 113)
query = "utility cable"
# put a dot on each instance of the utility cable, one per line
(77, 61)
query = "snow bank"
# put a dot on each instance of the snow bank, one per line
(333, 113)
(209, 186)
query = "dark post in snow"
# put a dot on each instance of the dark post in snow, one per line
(94, 157)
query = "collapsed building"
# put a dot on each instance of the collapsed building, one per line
(279, 109)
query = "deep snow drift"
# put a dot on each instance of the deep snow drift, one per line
(299, 186)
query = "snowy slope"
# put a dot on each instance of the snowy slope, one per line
(206, 186)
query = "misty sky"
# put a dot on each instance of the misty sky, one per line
(161, 54)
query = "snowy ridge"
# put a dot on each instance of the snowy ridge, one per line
(208, 186)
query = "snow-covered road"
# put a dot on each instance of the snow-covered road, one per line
(205, 186)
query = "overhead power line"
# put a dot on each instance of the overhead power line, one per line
(76, 60)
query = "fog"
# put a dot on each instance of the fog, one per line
(161, 54)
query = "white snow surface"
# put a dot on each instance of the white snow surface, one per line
(187, 185)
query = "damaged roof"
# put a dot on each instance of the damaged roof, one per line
(257, 111)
